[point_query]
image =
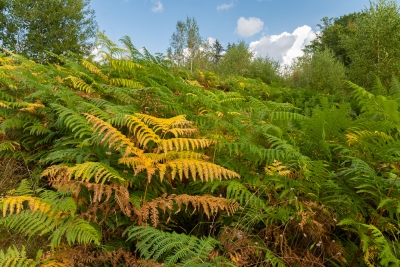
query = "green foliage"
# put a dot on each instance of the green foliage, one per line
(14, 257)
(320, 71)
(236, 60)
(373, 49)
(171, 247)
(128, 154)
(33, 28)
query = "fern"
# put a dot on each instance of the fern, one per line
(172, 247)
(15, 257)
(46, 214)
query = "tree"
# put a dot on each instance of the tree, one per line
(320, 71)
(333, 31)
(265, 69)
(217, 51)
(32, 27)
(185, 42)
(236, 60)
(374, 49)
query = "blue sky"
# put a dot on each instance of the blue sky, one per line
(278, 28)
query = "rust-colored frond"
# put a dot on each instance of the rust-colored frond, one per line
(94, 69)
(56, 174)
(196, 168)
(14, 204)
(207, 203)
(80, 84)
(112, 136)
(125, 83)
(90, 256)
(142, 132)
(179, 144)
(101, 194)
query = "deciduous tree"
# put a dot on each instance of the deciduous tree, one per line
(33, 27)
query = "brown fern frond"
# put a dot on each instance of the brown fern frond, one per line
(204, 170)
(88, 256)
(94, 69)
(112, 136)
(56, 174)
(208, 204)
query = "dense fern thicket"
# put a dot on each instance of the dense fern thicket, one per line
(122, 162)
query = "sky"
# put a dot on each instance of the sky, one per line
(275, 28)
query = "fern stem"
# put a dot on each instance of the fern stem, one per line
(375, 221)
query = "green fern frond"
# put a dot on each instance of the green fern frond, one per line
(288, 116)
(14, 257)
(172, 247)
(8, 145)
(73, 120)
(125, 83)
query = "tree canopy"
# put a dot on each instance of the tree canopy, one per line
(32, 27)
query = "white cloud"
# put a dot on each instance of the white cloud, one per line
(248, 27)
(285, 46)
(211, 40)
(225, 6)
(158, 6)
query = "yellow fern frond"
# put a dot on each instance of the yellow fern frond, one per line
(179, 144)
(112, 136)
(358, 136)
(53, 263)
(32, 107)
(141, 131)
(94, 69)
(80, 84)
(196, 168)
(94, 170)
(2, 105)
(276, 168)
(97, 171)
(125, 83)
(126, 65)
(14, 204)
(177, 125)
